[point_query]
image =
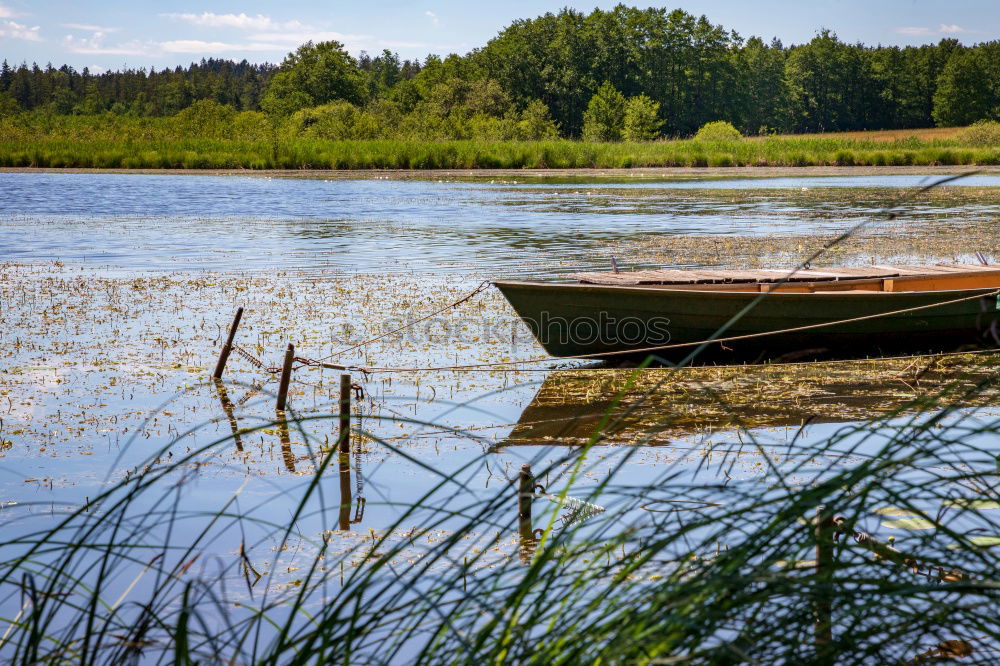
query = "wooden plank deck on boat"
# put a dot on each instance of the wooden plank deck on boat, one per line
(723, 276)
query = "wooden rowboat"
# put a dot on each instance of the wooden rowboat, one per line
(829, 312)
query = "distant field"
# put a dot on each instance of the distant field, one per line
(924, 134)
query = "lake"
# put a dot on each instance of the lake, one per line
(117, 291)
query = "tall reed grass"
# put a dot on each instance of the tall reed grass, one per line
(158, 143)
(674, 569)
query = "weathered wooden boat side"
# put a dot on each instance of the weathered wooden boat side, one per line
(595, 320)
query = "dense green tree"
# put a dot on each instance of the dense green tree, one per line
(436, 71)
(966, 90)
(175, 95)
(405, 94)
(206, 118)
(710, 77)
(642, 119)
(334, 121)
(8, 105)
(314, 74)
(137, 92)
(546, 59)
(819, 78)
(604, 118)
(93, 102)
(63, 101)
(543, 73)
(536, 123)
(760, 95)
(385, 71)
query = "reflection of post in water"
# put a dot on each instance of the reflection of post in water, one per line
(227, 407)
(345, 492)
(345, 521)
(824, 529)
(525, 494)
(344, 456)
(286, 442)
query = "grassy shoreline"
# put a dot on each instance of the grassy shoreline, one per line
(313, 154)
(641, 173)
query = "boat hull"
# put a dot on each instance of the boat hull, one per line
(596, 321)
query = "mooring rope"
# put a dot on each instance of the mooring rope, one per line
(505, 366)
(475, 292)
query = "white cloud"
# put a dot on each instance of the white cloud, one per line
(306, 34)
(96, 69)
(14, 30)
(95, 45)
(239, 21)
(942, 29)
(913, 30)
(88, 27)
(7, 12)
(263, 34)
(199, 46)
(258, 33)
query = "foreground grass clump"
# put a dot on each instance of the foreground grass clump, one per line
(667, 568)
(35, 140)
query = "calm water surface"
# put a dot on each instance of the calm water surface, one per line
(97, 377)
(165, 222)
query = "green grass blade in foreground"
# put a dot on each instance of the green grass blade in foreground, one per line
(709, 585)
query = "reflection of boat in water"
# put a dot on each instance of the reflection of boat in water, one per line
(843, 312)
(655, 405)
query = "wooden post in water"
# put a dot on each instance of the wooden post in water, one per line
(286, 376)
(228, 347)
(824, 583)
(525, 493)
(344, 441)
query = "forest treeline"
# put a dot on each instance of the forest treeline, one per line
(626, 73)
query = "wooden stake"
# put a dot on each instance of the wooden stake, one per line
(345, 414)
(286, 376)
(228, 347)
(525, 493)
(824, 581)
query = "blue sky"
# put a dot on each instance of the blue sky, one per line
(116, 33)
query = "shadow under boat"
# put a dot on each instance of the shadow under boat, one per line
(654, 406)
